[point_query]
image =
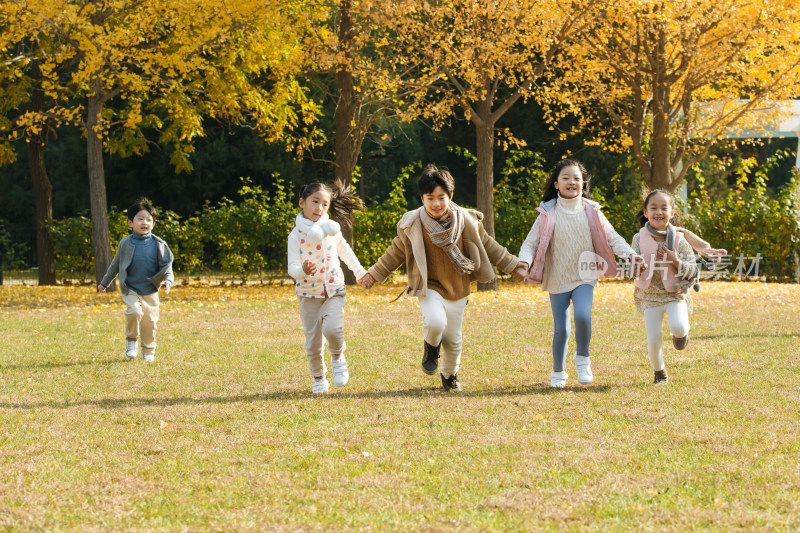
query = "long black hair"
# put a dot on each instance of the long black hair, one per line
(550, 190)
(675, 220)
(343, 201)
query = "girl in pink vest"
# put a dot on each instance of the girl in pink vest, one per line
(314, 249)
(668, 272)
(570, 247)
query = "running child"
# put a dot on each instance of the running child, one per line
(569, 247)
(444, 248)
(315, 248)
(144, 264)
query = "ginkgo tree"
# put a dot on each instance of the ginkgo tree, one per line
(163, 66)
(26, 113)
(345, 41)
(477, 59)
(673, 76)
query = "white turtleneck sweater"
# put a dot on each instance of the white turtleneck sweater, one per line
(571, 238)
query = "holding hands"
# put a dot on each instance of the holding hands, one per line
(638, 264)
(367, 281)
(520, 272)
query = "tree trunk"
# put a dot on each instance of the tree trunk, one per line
(661, 177)
(661, 155)
(484, 130)
(347, 147)
(97, 183)
(43, 193)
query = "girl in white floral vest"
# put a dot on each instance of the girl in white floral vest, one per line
(314, 249)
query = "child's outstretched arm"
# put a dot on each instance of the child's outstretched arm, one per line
(638, 264)
(392, 258)
(700, 245)
(111, 273)
(529, 246)
(498, 255)
(618, 244)
(349, 258)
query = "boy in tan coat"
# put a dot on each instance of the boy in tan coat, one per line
(444, 248)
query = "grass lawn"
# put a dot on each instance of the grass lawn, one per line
(222, 433)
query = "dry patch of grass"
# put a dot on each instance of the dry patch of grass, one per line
(223, 433)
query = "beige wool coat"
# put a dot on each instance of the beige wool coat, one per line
(409, 248)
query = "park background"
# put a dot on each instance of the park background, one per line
(221, 119)
(219, 111)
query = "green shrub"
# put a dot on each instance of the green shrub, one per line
(250, 236)
(517, 196)
(72, 241)
(12, 253)
(748, 221)
(184, 238)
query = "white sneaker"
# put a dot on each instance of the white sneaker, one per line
(584, 367)
(558, 379)
(320, 386)
(340, 374)
(130, 349)
(149, 357)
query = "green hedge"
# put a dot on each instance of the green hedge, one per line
(247, 237)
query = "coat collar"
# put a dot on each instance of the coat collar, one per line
(550, 204)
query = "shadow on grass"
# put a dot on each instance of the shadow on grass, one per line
(421, 393)
(745, 336)
(62, 365)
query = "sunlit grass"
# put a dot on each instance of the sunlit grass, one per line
(223, 433)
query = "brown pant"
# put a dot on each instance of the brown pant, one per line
(323, 319)
(141, 319)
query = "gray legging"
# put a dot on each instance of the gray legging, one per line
(581, 298)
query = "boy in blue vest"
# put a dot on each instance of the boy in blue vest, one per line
(144, 264)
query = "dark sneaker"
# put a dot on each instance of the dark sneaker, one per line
(451, 383)
(680, 342)
(660, 376)
(430, 359)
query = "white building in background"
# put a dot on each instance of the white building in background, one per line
(786, 124)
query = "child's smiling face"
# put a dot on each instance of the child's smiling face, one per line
(659, 211)
(316, 205)
(570, 182)
(436, 202)
(142, 223)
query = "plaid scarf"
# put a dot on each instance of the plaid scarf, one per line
(445, 232)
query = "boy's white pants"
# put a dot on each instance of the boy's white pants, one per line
(678, 320)
(441, 323)
(323, 319)
(141, 319)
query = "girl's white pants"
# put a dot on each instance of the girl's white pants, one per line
(441, 323)
(678, 319)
